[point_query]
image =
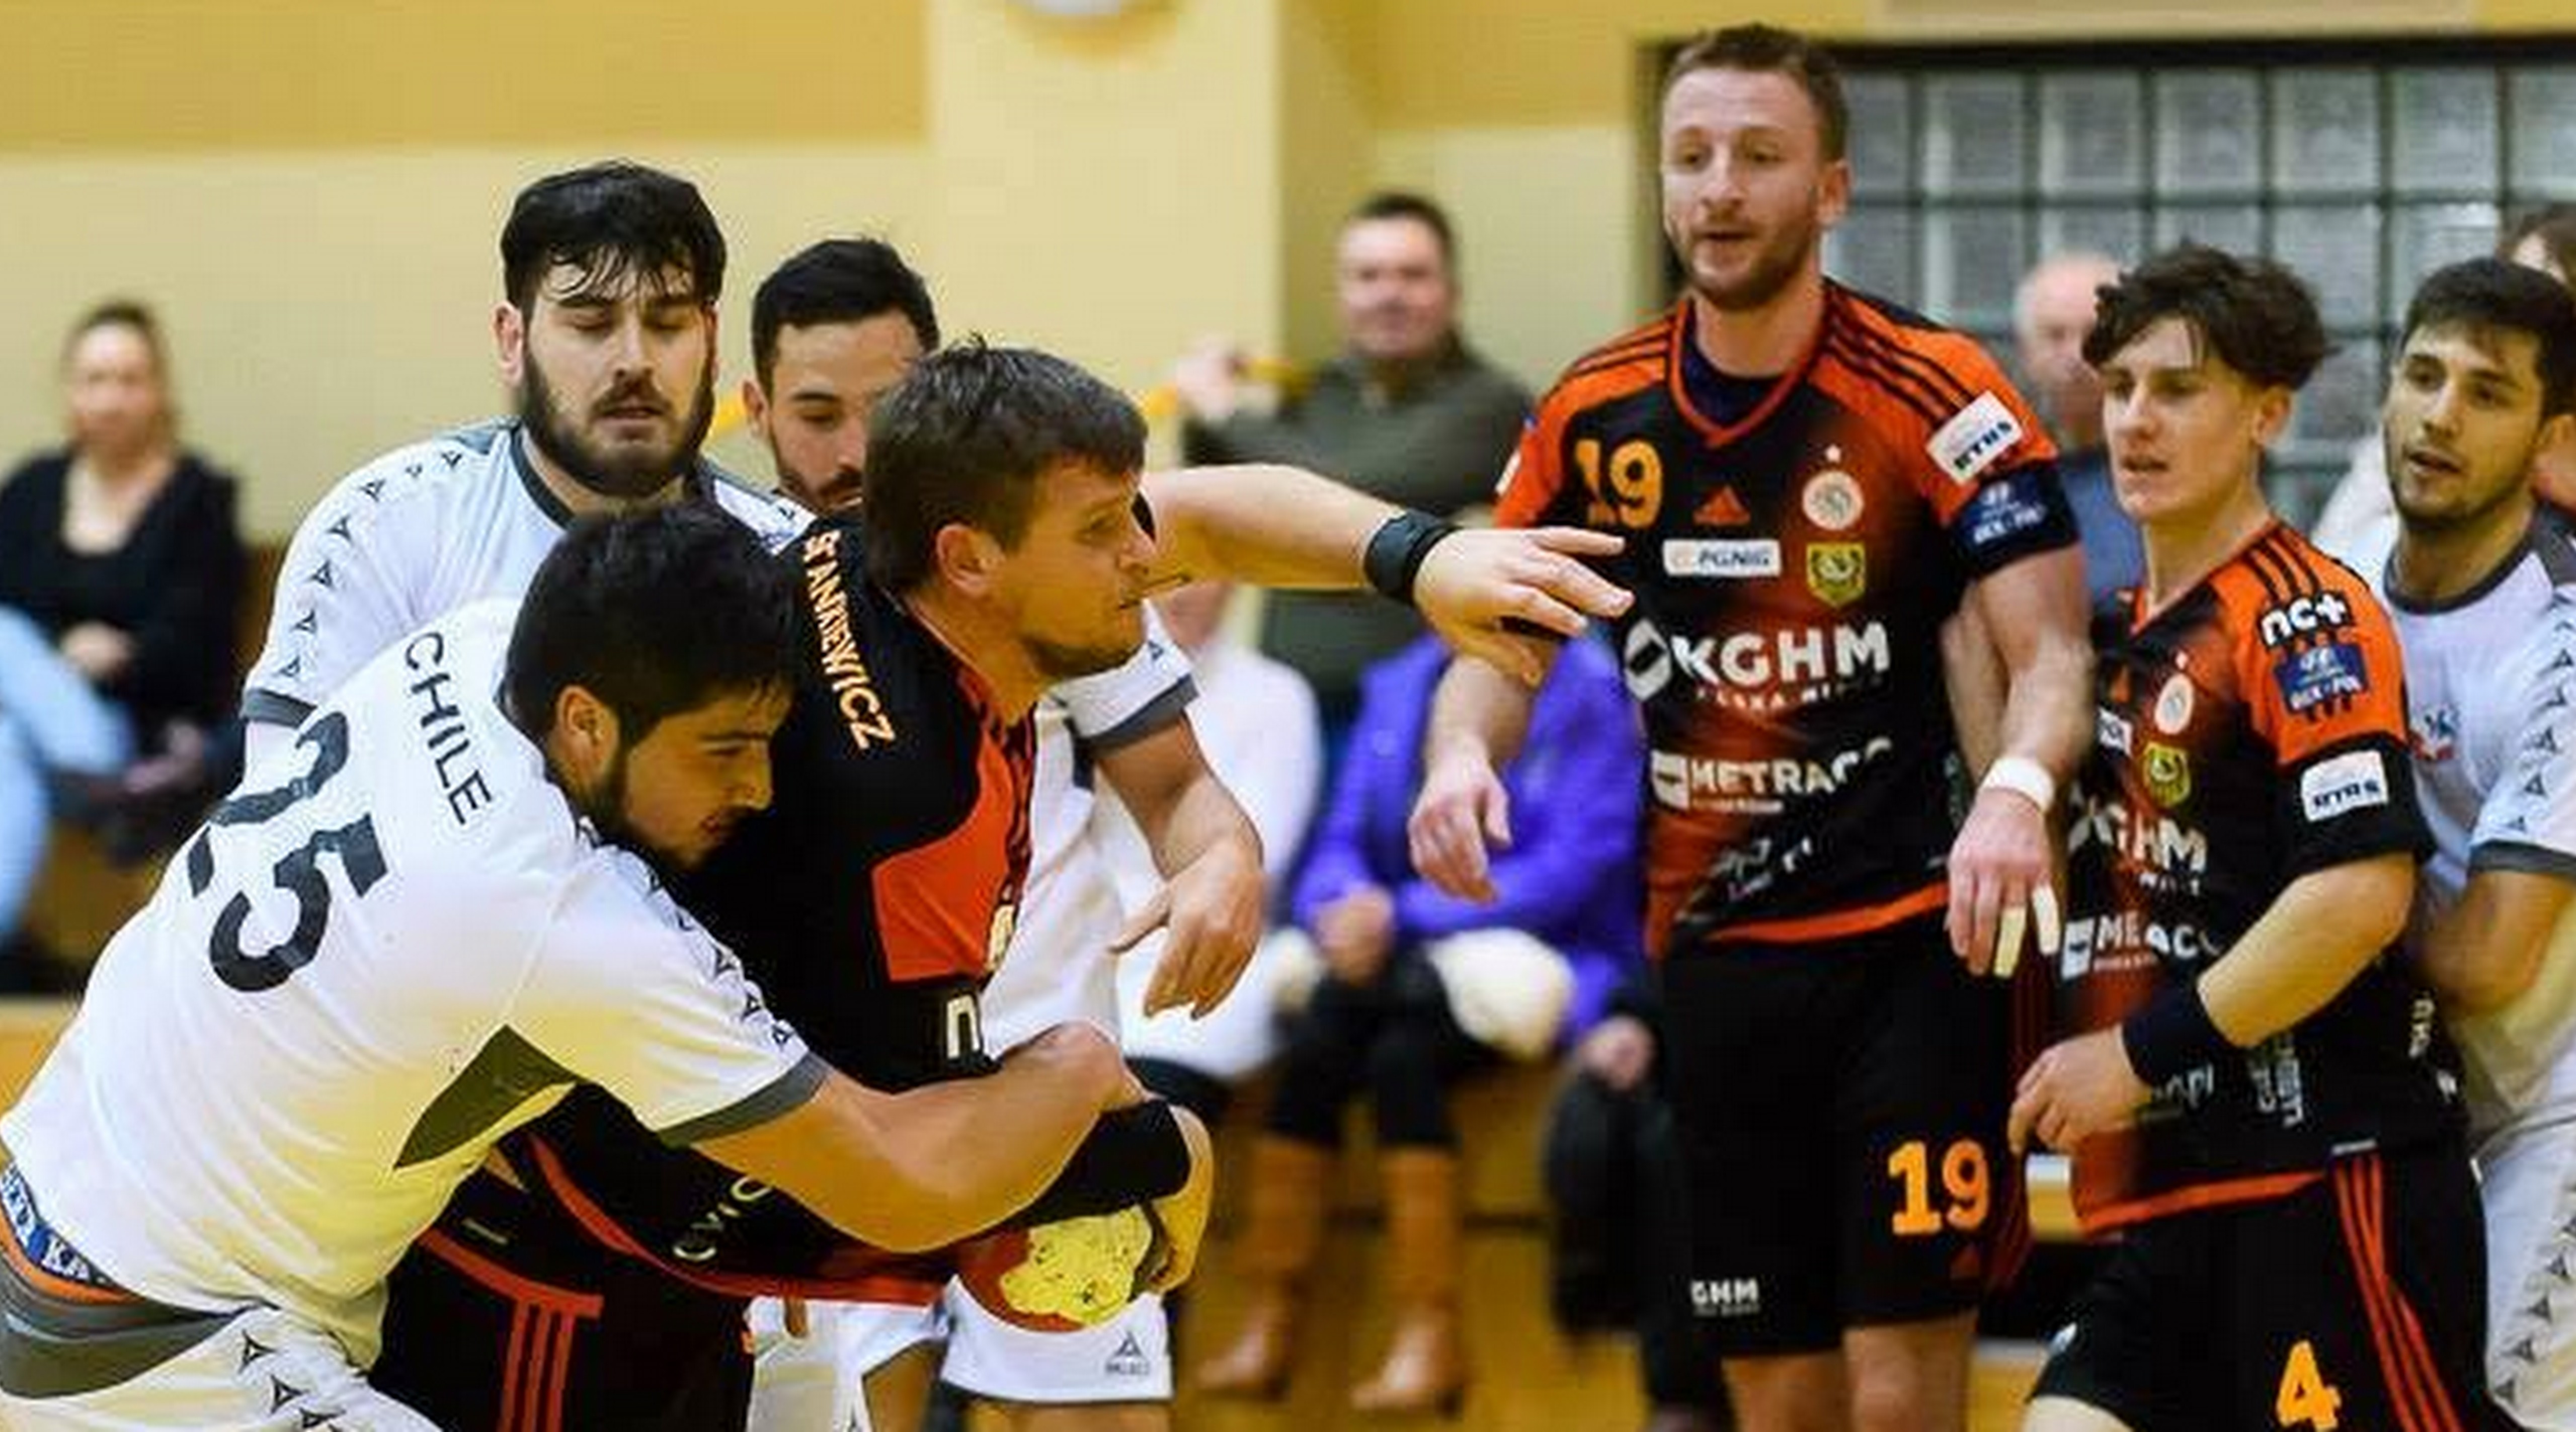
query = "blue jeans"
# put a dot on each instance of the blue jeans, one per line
(51, 722)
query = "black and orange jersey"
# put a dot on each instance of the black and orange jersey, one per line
(2252, 731)
(873, 898)
(1792, 570)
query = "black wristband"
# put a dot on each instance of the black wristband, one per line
(1132, 1155)
(2172, 1036)
(1395, 551)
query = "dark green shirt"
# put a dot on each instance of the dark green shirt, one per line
(1437, 443)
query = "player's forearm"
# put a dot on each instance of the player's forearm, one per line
(2484, 951)
(2312, 942)
(1477, 712)
(2032, 613)
(1198, 819)
(1261, 523)
(2049, 705)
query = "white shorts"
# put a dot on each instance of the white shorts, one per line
(818, 1383)
(2528, 1184)
(262, 1371)
(1126, 1359)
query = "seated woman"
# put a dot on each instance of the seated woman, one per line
(1419, 987)
(120, 575)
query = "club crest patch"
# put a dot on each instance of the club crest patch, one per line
(1837, 572)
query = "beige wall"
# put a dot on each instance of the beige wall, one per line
(311, 189)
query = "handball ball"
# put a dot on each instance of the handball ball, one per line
(1055, 1277)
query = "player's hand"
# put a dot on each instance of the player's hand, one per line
(1461, 808)
(96, 650)
(2000, 895)
(1497, 593)
(1210, 914)
(1619, 1052)
(2075, 1090)
(1184, 1213)
(1356, 933)
(1209, 379)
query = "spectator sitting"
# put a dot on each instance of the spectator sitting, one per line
(120, 575)
(1420, 987)
(1255, 722)
(1407, 412)
(1619, 1229)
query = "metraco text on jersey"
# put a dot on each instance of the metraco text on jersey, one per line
(853, 692)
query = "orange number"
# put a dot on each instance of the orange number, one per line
(1632, 495)
(1963, 1178)
(2306, 1398)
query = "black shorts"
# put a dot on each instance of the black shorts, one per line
(506, 1317)
(1841, 1115)
(2356, 1302)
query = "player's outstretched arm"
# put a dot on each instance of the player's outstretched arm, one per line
(2484, 951)
(1485, 592)
(922, 1169)
(1478, 718)
(1210, 856)
(2032, 614)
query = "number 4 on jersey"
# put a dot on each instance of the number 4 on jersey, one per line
(2305, 1398)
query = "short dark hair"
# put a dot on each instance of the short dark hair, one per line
(655, 613)
(837, 281)
(965, 437)
(1769, 49)
(611, 220)
(119, 313)
(1405, 204)
(2258, 317)
(2555, 226)
(2489, 298)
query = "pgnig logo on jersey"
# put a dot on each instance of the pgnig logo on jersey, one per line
(1726, 1297)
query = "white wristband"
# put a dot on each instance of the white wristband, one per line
(2023, 777)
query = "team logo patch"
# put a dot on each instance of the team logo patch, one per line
(2356, 781)
(1974, 438)
(1690, 557)
(2174, 705)
(2168, 773)
(1837, 572)
(2313, 676)
(2435, 733)
(1832, 500)
(2112, 731)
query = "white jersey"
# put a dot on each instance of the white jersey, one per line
(1058, 966)
(393, 944)
(1257, 725)
(2491, 691)
(418, 533)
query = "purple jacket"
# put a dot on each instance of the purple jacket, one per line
(1571, 875)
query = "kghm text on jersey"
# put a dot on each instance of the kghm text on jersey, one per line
(451, 746)
(853, 691)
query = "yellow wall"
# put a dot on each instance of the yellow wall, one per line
(311, 189)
